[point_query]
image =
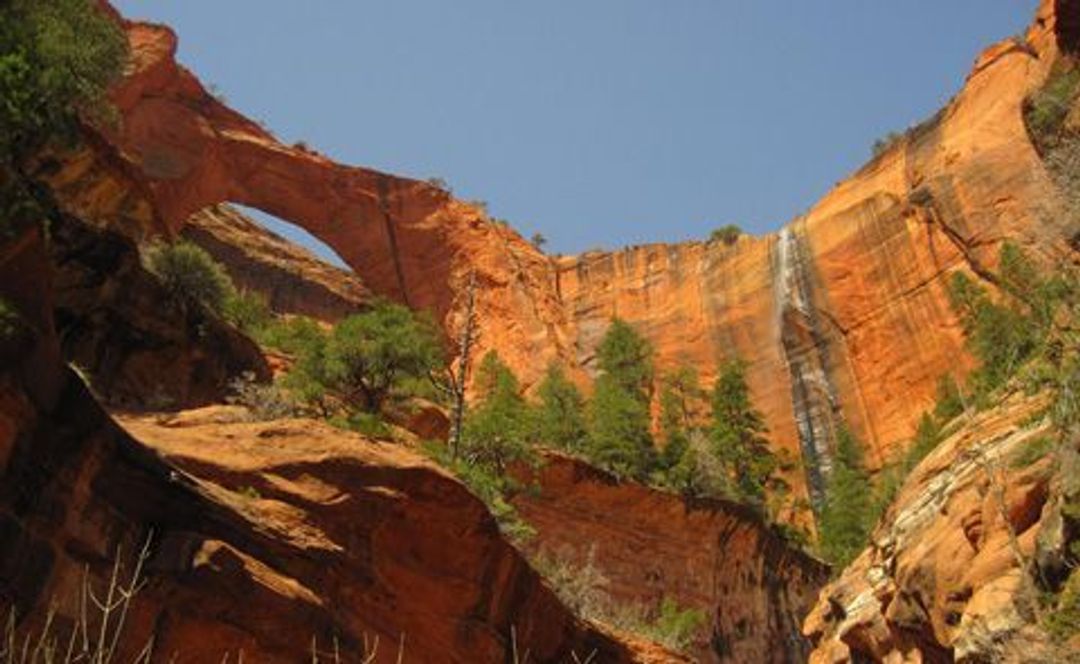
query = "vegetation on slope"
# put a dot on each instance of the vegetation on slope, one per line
(57, 60)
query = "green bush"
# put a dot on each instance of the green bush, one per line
(949, 402)
(371, 425)
(728, 234)
(248, 312)
(675, 626)
(1063, 622)
(189, 274)
(1033, 452)
(57, 60)
(1047, 109)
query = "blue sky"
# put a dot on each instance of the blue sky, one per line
(598, 123)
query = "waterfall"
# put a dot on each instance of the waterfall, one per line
(805, 352)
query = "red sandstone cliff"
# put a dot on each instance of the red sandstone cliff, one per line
(711, 555)
(840, 315)
(343, 538)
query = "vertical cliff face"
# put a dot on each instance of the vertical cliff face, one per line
(714, 556)
(842, 316)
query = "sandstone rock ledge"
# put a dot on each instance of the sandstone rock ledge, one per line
(940, 579)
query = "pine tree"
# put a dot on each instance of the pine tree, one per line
(737, 435)
(619, 423)
(848, 512)
(619, 437)
(680, 399)
(496, 431)
(626, 357)
(560, 415)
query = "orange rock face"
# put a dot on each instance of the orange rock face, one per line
(940, 579)
(709, 555)
(292, 279)
(842, 316)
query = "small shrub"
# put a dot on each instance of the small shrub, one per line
(727, 235)
(583, 588)
(247, 311)
(265, 401)
(189, 274)
(249, 492)
(538, 240)
(439, 183)
(1063, 623)
(950, 402)
(10, 321)
(371, 425)
(1047, 109)
(1033, 452)
(675, 626)
(886, 142)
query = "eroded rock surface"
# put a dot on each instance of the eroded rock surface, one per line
(941, 578)
(138, 346)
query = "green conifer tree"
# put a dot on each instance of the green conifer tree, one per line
(848, 512)
(497, 429)
(737, 435)
(560, 414)
(620, 438)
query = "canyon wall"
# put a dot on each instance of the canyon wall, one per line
(262, 537)
(842, 316)
(649, 546)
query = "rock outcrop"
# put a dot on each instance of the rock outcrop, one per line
(262, 536)
(123, 330)
(710, 555)
(941, 579)
(842, 316)
(290, 278)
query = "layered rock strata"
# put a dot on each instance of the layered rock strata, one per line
(842, 317)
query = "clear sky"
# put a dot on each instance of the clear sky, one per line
(598, 123)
